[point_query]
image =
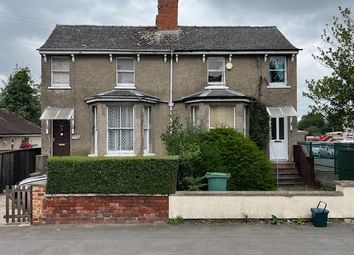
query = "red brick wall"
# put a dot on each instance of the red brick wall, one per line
(92, 209)
(167, 17)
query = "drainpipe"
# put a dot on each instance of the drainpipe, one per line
(170, 102)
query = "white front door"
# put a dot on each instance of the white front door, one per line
(279, 139)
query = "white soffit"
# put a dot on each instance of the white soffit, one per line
(57, 114)
(282, 111)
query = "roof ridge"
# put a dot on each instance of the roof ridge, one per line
(152, 26)
(20, 117)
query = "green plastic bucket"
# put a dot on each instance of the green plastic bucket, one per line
(319, 215)
(217, 181)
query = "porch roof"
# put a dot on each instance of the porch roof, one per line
(285, 111)
(53, 113)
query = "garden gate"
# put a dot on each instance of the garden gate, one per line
(18, 204)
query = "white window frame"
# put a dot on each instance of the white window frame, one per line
(216, 84)
(147, 150)
(234, 116)
(278, 84)
(194, 118)
(125, 85)
(119, 152)
(54, 85)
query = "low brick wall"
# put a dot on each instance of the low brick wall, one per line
(97, 208)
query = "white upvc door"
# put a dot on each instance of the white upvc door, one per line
(279, 139)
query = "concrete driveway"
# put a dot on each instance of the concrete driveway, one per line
(182, 239)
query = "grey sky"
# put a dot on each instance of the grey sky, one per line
(301, 21)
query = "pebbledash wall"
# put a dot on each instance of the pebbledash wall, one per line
(97, 208)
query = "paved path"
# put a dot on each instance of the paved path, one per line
(182, 239)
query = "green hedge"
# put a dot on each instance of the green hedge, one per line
(139, 175)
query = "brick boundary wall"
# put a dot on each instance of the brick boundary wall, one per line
(97, 208)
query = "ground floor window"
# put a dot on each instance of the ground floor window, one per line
(195, 115)
(120, 129)
(147, 112)
(222, 116)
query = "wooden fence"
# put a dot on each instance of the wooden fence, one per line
(17, 165)
(18, 204)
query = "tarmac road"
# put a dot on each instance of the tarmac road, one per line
(163, 239)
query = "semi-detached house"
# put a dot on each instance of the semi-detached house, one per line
(109, 90)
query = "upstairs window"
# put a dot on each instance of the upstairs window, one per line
(125, 72)
(61, 72)
(216, 71)
(277, 71)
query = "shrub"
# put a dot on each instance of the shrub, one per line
(225, 150)
(259, 125)
(112, 175)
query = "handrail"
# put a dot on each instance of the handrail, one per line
(304, 164)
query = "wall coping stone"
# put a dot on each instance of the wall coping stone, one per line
(105, 195)
(258, 193)
(345, 183)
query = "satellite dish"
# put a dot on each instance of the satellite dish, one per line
(229, 66)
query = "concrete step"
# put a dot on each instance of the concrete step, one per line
(283, 172)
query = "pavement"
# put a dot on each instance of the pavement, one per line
(163, 239)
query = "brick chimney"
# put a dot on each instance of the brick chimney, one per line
(167, 17)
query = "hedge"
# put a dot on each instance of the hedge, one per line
(108, 175)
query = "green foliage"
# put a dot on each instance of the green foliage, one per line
(314, 123)
(21, 96)
(176, 221)
(333, 95)
(193, 183)
(300, 221)
(225, 150)
(219, 150)
(275, 220)
(82, 175)
(259, 125)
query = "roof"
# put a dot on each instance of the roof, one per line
(217, 94)
(122, 95)
(12, 124)
(186, 38)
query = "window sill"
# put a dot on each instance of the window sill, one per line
(147, 154)
(278, 87)
(121, 86)
(122, 154)
(92, 155)
(60, 88)
(216, 87)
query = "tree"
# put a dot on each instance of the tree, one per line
(21, 95)
(333, 95)
(313, 122)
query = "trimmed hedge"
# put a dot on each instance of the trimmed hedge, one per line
(108, 175)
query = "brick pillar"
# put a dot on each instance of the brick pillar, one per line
(38, 212)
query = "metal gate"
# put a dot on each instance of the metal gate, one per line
(18, 204)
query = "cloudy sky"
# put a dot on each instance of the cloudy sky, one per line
(25, 25)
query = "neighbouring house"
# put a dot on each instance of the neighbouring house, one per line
(15, 130)
(109, 90)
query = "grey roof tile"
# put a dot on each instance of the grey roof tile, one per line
(216, 94)
(186, 38)
(123, 94)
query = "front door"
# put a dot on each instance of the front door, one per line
(279, 139)
(61, 138)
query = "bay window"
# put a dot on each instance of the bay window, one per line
(120, 129)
